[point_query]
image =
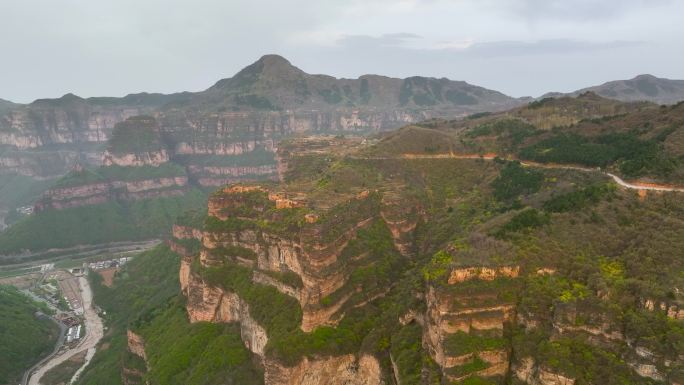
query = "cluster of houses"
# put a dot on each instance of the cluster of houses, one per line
(25, 210)
(73, 324)
(73, 334)
(116, 262)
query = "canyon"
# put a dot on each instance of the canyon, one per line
(475, 316)
(486, 250)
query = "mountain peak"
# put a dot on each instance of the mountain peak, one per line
(645, 77)
(270, 68)
(274, 60)
(70, 97)
(63, 100)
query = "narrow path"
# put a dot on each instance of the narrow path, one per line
(629, 185)
(93, 334)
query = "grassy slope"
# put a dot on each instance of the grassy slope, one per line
(24, 337)
(146, 283)
(145, 298)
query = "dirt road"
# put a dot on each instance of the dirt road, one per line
(629, 185)
(93, 330)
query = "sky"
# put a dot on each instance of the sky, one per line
(519, 47)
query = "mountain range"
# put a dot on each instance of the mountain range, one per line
(307, 242)
(640, 88)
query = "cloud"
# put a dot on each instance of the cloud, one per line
(573, 10)
(504, 48)
(113, 47)
(386, 40)
(544, 47)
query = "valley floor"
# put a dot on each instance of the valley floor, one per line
(94, 332)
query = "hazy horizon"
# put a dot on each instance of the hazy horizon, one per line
(518, 47)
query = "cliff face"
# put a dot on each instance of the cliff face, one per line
(66, 120)
(216, 305)
(305, 266)
(60, 198)
(343, 370)
(314, 262)
(152, 158)
(456, 317)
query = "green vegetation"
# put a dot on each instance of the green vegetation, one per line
(513, 130)
(475, 380)
(341, 217)
(479, 115)
(461, 343)
(526, 219)
(438, 268)
(331, 96)
(119, 173)
(579, 199)
(425, 92)
(634, 156)
(193, 218)
(25, 337)
(281, 315)
(145, 298)
(79, 178)
(459, 97)
(135, 135)
(407, 353)
(474, 365)
(259, 157)
(575, 358)
(199, 354)
(109, 222)
(144, 284)
(289, 278)
(215, 225)
(255, 101)
(516, 180)
(364, 91)
(590, 257)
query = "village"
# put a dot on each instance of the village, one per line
(68, 296)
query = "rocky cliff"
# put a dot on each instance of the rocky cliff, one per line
(85, 191)
(363, 268)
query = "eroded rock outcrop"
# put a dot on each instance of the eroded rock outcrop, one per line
(309, 265)
(78, 195)
(466, 327)
(217, 305)
(342, 370)
(136, 344)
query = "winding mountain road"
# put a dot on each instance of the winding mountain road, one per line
(642, 186)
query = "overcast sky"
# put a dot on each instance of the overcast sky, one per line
(519, 47)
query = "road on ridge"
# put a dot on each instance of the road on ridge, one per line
(617, 179)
